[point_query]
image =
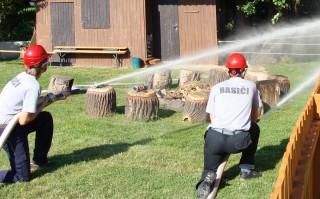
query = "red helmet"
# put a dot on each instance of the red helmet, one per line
(236, 60)
(34, 55)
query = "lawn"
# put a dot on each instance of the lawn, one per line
(112, 157)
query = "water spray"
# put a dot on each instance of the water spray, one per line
(311, 80)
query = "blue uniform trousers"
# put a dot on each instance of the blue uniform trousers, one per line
(17, 148)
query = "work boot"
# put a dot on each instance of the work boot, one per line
(252, 174)
(205, 187)
(35, 166)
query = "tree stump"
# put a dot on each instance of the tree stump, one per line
(195, 107)
(284, 84)
(100, 101)
(162, 79)
(142, 105)
(194, 86)
(269, 92)
(187, 76)
(218, 75)
(149, 80)
(59, 83)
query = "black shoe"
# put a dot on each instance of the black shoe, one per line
(35, 166)
(252, 174)
(205, 187)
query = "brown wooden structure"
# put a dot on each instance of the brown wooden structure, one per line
(299, 174)
(164, 29)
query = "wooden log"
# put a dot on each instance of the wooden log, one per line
(269, 92)
(195, 107)
(218, 75)
(284, 84)
(141, 106)
(162, 79)
(60, 83)
(100, 101)
(149, 80)
(187, 76)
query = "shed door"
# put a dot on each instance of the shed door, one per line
(62, 29)
(198, 29)
(169, 29)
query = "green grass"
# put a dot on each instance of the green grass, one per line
(111, 157)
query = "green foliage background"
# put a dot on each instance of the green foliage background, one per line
(17, 20)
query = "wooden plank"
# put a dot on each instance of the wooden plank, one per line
(121, 52)
(20, 51)
(11, 51)
(90, 47)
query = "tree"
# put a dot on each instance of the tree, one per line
(280, 8)
(250, 8)
(17, 20)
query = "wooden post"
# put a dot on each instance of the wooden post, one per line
(269, 92)
(142, 105)
(100, 101)
(195, 107)
(60, 83)
(187, 76)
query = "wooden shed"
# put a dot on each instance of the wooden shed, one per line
(164, 29)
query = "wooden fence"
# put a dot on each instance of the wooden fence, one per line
(299, 173)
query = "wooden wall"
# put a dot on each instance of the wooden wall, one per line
(129, 25)
(128, 28)
(198, 29)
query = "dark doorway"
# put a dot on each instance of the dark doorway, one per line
(166, 30)
(62, 30)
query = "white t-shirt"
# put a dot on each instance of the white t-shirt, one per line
(20, 94)
(231, 102)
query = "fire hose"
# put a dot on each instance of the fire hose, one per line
(6, 132)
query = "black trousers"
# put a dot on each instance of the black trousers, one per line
(218, 145)
(17, 148)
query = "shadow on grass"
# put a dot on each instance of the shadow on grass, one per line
(266, 158)
(120, 109)
(163, 113)
(87, 154)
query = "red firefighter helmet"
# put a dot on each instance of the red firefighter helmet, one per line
(34, 55)
(236, 60)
